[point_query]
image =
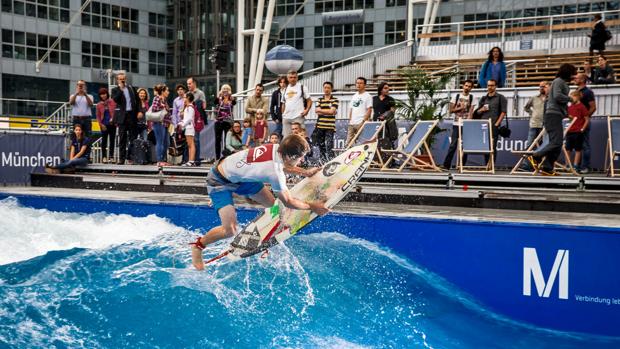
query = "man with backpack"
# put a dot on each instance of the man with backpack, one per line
(599, 36)
(200, 102)
(462, 107)
(296, 103)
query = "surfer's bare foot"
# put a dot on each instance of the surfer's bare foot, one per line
(197, 260)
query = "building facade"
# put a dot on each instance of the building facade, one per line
(383, 22)
(111, 34)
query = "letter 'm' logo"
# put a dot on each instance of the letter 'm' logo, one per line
(532, 269)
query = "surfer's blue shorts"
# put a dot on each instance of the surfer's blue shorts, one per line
(220, 189)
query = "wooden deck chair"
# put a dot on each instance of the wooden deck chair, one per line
(540, 142)
(476, 137)
(416, 140)
(368, 132)
(613, 143)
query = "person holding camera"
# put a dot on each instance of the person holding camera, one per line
(224, 104)
(126, 99)
(491, 106)
(82, 103)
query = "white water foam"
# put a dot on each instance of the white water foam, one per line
(27, 232)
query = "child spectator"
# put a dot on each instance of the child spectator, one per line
(234, 139)
(574, 135)
(274, 138)
(187, 124)
(246, 138)
(260, 128)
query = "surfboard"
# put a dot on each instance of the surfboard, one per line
(278, 223)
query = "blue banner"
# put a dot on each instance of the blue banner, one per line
(24, 153)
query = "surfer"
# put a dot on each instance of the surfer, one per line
(244, 173)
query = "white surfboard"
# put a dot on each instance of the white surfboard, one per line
(279, 223)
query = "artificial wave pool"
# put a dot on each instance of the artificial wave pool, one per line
(104, 279)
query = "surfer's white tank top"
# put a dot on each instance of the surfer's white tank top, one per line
(259, 164)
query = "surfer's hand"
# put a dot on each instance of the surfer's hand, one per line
(318, 207)
(311, 171)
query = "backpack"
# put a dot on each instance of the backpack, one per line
(199, 123)
(471, 98)
(608, 35)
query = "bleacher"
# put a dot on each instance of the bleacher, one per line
(530, 73)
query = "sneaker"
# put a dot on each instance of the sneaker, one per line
(104, 160)
(189, 164)
(584, 171)
(533, 162)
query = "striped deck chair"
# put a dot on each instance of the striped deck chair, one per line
(475, 137)
(416, 140)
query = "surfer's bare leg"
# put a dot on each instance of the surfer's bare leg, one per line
(264, 197)
(228, 217)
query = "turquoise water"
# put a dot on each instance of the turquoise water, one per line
(112, 281)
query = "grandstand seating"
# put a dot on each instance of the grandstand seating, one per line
(543, 67)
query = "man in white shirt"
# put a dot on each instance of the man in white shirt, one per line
(462, 107)
(244, 173)
(81, 104)
(361, 107)
(296, 103)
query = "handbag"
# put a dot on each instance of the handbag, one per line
(155, 116)
(504, 130)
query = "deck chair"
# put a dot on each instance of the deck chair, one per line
(613, 143)
(540, 142)
(476, 137)
(415, 140)
(369, 132)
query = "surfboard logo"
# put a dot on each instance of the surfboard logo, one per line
(260, 154)
(352, 156)
(330, 169)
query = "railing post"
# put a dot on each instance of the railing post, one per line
(503, 42)
(458, 41)
(515, 102)
(374, 64)
(550, 36)
(514, 75)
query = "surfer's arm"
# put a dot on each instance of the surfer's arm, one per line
(289, 201)
(298, 171)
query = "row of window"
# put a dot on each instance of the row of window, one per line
(342, 5)
(160, 63)
(32, 47)
(110, 17)
(55, 10)
(103, 56)
(292, 37)
(343, 35)
(160, 26)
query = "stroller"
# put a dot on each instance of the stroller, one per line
(177, 148)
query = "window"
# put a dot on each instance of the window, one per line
(44, 9)
(392, 3)
(158, 25)
(292, 37)
(344, 35)
(21, 88)
(288, 7)
(159, 63)
(110, 17)
(32, 47)
(103, 56)
(395, 31)
(342, 5)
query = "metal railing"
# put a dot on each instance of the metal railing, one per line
(62, 115)
(28, 107)
(543, 33)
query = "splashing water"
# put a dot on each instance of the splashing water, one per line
(109, 281)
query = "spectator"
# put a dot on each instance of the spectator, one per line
(296, 128)
(492, 106)
(274, 138)
(79, 154)
(555, 111)
(234, 139)
(296, 103)
(105, 118)
(323, 135)
(384, 106)
(178, 104)
(81, 104)
(200, 101)
(224, 103)
(187, 125)
(309, 154)
(361, 107)
(256, 102)
(574, 135)
(536, 108)
(142, 126)
(604, 73)
(462, 107)
(126, 100)
(588, 70)
(160, 128)
(260, 128)
(598, 37)
(276, 105)
(493, 69)
(588, 100)
(247, 136)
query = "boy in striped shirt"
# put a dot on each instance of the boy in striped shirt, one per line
(326, 110)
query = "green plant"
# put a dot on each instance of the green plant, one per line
(423, 101)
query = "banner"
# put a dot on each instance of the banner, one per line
(24, 153)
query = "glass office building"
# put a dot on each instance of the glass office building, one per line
(127, 35)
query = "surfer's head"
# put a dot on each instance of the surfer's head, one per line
(293, 148)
